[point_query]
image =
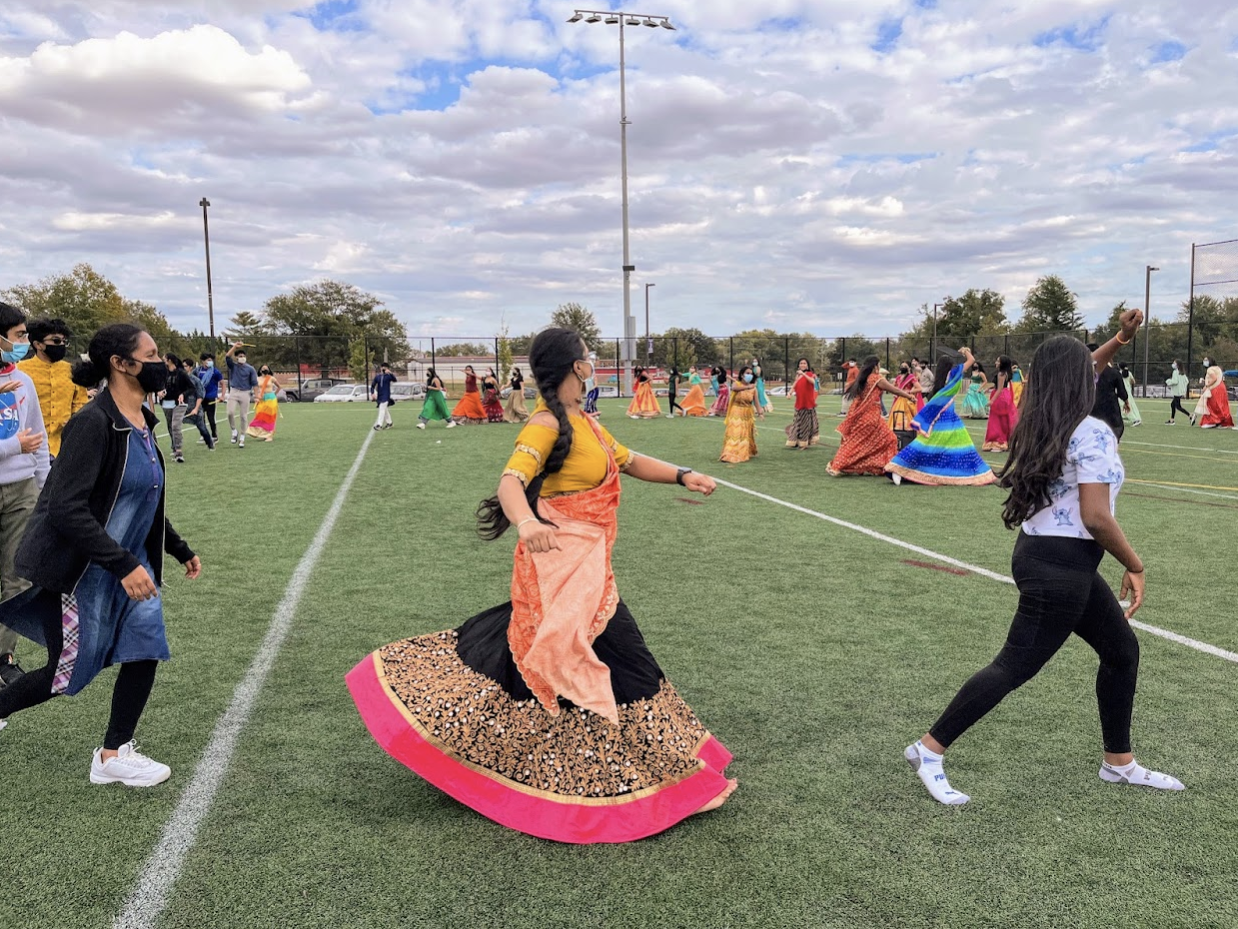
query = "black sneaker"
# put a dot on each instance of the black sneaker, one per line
(180, 459)
(10, 670)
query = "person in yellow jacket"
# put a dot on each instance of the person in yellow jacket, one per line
(59, 397)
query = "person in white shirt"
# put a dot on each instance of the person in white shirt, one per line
(1064, 474)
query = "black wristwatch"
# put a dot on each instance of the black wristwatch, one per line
(680, 474)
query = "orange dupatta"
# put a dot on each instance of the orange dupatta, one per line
(563, 599)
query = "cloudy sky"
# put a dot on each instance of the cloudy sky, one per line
(819, 165)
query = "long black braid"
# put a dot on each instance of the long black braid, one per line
(552, 356)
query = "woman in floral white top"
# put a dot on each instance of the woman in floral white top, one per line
(1064, 474)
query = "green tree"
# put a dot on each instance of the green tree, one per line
(505, 355)
(360, 361)
(1050, 307)
(323, 319)
(83, 298)
(977, 312)
(576, 317)
(463, 350)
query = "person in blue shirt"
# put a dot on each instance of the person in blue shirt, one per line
(242, 379)
(380, 393)
(211, 377)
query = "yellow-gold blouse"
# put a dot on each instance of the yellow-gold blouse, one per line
(585, 466)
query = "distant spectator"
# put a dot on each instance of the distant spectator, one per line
(24, 465)
(179, 393)
(1111, 396)
(193, 415)
(1177, 384)
(380, 393)
(59, 397)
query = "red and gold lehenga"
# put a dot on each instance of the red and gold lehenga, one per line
(740, 440)
(469, 409)
(868, 441)
(490, 401)
(549, 714)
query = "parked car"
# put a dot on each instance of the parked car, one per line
(311, 389)
(344, 393)
(530, 393)
(407, 391)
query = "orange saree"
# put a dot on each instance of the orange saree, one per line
(868, 441)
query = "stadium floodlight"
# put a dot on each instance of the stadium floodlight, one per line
(621, 19)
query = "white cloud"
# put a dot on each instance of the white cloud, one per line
(781, 169)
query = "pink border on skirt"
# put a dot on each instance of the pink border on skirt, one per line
(559, 820)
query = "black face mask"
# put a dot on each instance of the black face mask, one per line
(55, 353)
(153, 377)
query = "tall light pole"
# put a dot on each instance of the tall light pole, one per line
(1147, 322)
(210, 297)
(648, 337)
(622, 19)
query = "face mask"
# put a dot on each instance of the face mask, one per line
(240, 359)
(20, 350)
(153, 377)
(747, 378)
(591, 370)
(1175, 366)
(55, 353)
(905, 370)
(208, 364)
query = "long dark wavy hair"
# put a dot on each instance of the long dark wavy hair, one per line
(1054, 403)
(870, 365)
(945, 364)
(552, 356)
(1005, 366)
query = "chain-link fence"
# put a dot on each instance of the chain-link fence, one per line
(307, 366)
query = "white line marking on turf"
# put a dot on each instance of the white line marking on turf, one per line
(1191, 490)
(150, 895)
(974, 569)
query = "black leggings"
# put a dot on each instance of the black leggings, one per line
(1176, 407)
(209, 406)
(1060, 592)
(674, 404)
(129, 696)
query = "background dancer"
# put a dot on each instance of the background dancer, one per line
(763, 402)
(740, 440)
(558, 678)
(516, 411)
(724, 393)
(591, 389)
(380, 393)
(1110, 396)
(1003, 415)
(868, 441)
(903, 411)
(1064, 475)
(1177, 383)
(852, 371)
(694, 402)
(672, 389)
(469, 410)
(976, 400)
(805, 428)
(942, 453)
(1216, 401)
(1130, 411)
(644, 404)
(490, 401)
(435, 405)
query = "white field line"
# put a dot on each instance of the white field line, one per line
(1191, 490)
(974, 569)
(150, 895)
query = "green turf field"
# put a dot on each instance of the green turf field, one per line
(814, 652)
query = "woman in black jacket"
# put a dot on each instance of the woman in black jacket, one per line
(94, 552)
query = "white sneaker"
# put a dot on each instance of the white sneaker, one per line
(452, 424)
(3, 723)
(421, 425)
(234, 437)
(130, 767)
(1137, 775)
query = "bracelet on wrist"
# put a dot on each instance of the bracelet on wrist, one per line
(1122, 341)
(531, 519)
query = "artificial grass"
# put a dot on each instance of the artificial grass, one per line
(813, 652)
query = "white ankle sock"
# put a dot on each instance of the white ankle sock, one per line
(1137, 774)
(927, 766)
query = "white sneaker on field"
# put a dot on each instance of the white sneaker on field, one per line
(1139, 776)
(130, 767)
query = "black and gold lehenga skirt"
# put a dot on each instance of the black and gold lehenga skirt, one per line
(453, 707)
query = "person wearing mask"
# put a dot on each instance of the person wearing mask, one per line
(211, 377)
(194, 416)
(241, 381)
(380, 393)
(805, 428)
(24, 465)
(94, 553)
(59, 397)
(1110, 397)
(177, 397)
(1177, 384)
(739, 443)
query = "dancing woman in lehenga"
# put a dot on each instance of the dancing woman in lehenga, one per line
(903, 411)
(266, 412)
(724, 393)
(740, 440)
(490, 400)
(549, 714)
(644, 404)
(1003, 414)
(976, 400)
(435, 405)
(942, 452)
(469, 409)
(694, 402)
(516, 411)
(868, 441)
(805, 428)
